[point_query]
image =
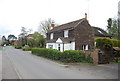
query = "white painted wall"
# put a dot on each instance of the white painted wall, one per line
(59, 40)
(67, 46)
(54, 45)
(72, 45)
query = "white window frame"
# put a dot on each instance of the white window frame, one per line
(51, 36)
(50, 46)
(66, 32)
(85, 47)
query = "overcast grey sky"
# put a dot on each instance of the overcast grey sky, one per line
(15, 14)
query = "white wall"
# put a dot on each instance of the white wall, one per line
(54, 45)
(67, 46)
(72, 45)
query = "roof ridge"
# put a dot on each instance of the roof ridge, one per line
(81, 21)
(68, 25)
(70, 22)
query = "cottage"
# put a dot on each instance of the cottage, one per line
(76, 35)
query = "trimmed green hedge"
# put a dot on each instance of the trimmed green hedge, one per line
(104, 43)
(66, 56)
(116, 43)
(18, 47)
(72, 56)
(48, 53)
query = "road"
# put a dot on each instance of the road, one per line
(18, 64)
(0, 65)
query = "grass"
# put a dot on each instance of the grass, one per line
(1, 48)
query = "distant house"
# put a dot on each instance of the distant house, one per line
(15, 42)
(76, 35)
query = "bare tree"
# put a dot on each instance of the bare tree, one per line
(45, 26)
(23, 36)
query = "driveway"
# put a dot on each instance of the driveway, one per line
(109, 71)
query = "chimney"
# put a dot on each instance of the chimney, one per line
(52, 26)
(85, 15)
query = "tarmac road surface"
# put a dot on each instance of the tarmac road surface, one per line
(18, 64)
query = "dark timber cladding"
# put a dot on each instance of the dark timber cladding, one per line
(83, 35)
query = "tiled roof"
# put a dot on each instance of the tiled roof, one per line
(67, 25)
(99, 32)
(51, 41)
(64, 40)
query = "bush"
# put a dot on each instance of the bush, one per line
(89, 59)
(26, 48)
(66, 56)
(18, 47)
(118, 43)
(103, 43)
(72, 56)
(114, 42)
(54, 54)
(40, 51)
(48, 53)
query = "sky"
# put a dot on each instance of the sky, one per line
(15, 14)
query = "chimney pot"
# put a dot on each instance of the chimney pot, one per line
(52, 26)
(85, 15)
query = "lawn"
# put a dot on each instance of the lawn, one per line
(1, 48)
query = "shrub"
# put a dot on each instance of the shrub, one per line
(114, 42)
(26, 48)
(18, 47)
(118, 43)
(66, 56)
(103, 43)
(89, 59)
(72, 56)
(40, 51)
(48, 53)
(54, 54)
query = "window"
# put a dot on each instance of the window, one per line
(51, 36)
(59, 47)
(50, 46)
(100, 31)
(66, 33)
(85, 47)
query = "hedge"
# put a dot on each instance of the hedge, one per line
(72, 56)
(115, 42)
(18, 47)
(26, 48)
(48, 53)
(106, 43)
(66, 56)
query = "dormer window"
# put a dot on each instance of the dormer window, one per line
(51, 36)
(66, 33)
